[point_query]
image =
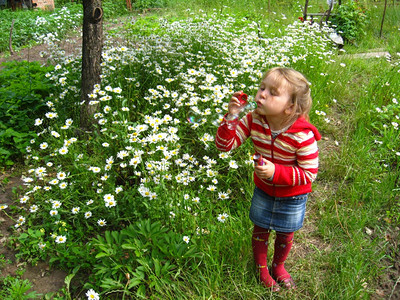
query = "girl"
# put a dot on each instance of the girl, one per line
(287, 143)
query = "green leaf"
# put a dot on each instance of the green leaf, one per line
(4, 151)
(128, 246)
(101, 254)
(141, 292)
(68, 279)
(157, 267)
(116, 236)
(134, 283)
(23, 236)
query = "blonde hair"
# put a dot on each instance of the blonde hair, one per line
(299, 88)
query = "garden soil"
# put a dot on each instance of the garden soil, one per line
(44, 279)
(48, 280)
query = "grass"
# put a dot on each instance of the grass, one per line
(373, 40)
(342, 249)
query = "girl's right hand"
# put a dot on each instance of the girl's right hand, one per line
(265, 171)
(234, 106)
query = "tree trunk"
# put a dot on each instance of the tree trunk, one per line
(129, 5)
(383, 18)
(305, 11)
(10, 40)
(92, 44)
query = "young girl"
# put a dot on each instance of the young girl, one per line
(287, 143)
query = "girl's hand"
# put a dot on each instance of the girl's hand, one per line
(265, 171)
(234, 104)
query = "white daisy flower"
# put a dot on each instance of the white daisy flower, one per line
(61, 239)
(101, 222)
(223, 217)
(92, 295)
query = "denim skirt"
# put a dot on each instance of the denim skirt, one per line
(280, 214)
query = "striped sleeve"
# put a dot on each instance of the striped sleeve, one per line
(229, 139)
(306, 169)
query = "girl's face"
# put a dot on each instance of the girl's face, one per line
(273, 98)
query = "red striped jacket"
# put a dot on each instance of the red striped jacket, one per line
(294, 152)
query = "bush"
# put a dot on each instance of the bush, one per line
(142, 257)
(23, 89)
(350, 21)
(141, 4)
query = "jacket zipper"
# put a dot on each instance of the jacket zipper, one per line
(272, 159)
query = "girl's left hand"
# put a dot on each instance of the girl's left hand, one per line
(265, 171)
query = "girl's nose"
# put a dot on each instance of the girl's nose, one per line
(264, 94)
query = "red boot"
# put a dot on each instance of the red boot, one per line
(283, 244)
(260, 250)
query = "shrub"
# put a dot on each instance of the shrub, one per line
(141, 4)
(350, 21)
(142, 257)
(23, 89)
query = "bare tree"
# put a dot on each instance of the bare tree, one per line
(383, 19)
(92, 45)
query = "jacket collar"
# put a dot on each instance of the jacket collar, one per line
(302, 124)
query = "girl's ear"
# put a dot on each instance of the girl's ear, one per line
(289, 109)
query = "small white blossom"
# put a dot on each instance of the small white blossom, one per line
(223, 217)
(92, 295)
(61, 239)
(63, 150)
(101, 222)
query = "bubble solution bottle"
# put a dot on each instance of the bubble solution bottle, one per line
(257, 158)
(233, 120)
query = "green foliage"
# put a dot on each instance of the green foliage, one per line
(113, 9)
(140, 258)
(16, 289)
(350, 20)
(3, 262)
(69, 256)
(23, 89)
(30, 245)
(142, 4)
(37, 25)
(393, 213)
(59, 3)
